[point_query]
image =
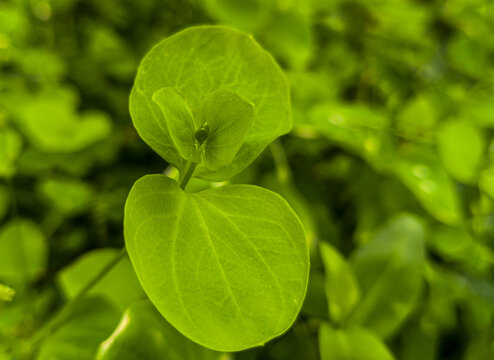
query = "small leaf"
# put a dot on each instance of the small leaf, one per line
(52, 125)
(342, 289)
(421, 171)
(23, 251)
(65, 195)
(6, 293)
(357, 129)
(119, 285)
(229, 118)
(389, 270)
(227, 267)
(461, 146)
(10, 149)
(351, 344)
(179, 122)
(143, 333)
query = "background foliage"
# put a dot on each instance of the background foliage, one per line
(390, 166)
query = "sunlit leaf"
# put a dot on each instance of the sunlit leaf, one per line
(241, 247)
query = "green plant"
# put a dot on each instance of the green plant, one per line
(228, 267)
(389, 166)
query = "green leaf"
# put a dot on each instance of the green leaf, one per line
(227, 267)
(179, 122)
(215, 136)
(468, 56)
(356, 129)
(351, 344)
(228, 118)
(91, 321)
(290, 36)
(417, 118)
(461, 146)
(10, 149)
(23, 251)
(119, 285)
(247, 15)
(67, 196)
(342, 289)
(450, 242)
(143, 333)
(422, 172)
(52, 125)
(198, 62)
(6, 293)
(389, 270)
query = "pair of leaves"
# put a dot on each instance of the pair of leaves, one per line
(227, 267)
(215, 135)
(184, 82)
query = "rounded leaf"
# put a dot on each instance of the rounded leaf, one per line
(227, 267)
(198, 62)
(23, 251)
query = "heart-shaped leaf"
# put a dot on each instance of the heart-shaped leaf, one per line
(227, 267)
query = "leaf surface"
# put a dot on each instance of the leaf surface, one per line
(179, 121)
(227, 267)
(461, 146)
(228, 118)
(342, 289)
(23, 251)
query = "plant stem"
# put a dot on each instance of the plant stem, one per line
(60, 317)
(189, 170)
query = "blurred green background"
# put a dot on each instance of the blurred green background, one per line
(393, 109)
